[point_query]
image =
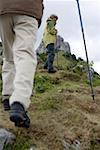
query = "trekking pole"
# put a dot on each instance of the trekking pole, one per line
(57, 60)
(90, 80)
(56, 50)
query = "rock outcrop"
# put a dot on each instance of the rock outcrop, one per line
(6, 137)
(60, 45)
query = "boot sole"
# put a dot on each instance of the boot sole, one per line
(19, 120)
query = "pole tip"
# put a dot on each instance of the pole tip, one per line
(93, 96)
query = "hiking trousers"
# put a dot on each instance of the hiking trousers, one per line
(18, 34)
(51, 55)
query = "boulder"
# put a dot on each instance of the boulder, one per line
(6, 137)
(60, 45)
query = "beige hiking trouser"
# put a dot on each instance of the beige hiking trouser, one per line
(18, 34)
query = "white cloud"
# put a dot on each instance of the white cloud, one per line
(96, 66)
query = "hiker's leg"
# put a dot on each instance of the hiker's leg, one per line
(24, 58)
(46, 64)
(51, 55)
(8, 69)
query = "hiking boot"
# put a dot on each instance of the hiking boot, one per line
(19, 116)
(6, 104)
(52, 71)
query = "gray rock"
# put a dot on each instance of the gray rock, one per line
(33, 148)
(41, 49)
(76, 145)
(60, 45)
(68, 146)
(6, 137)
(65, 144)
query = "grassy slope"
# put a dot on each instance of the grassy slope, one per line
(61, 111)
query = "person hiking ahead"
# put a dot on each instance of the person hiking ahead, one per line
(19, 22)
(49, 40)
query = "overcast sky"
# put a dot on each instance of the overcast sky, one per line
(68, 26)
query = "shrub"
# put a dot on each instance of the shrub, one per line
(42, 83)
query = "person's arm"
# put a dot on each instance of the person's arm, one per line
(52, 31)
(51, 28)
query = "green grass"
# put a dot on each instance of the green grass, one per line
(59, 108)
(96, 80)
(42, 83)
(21, 143)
